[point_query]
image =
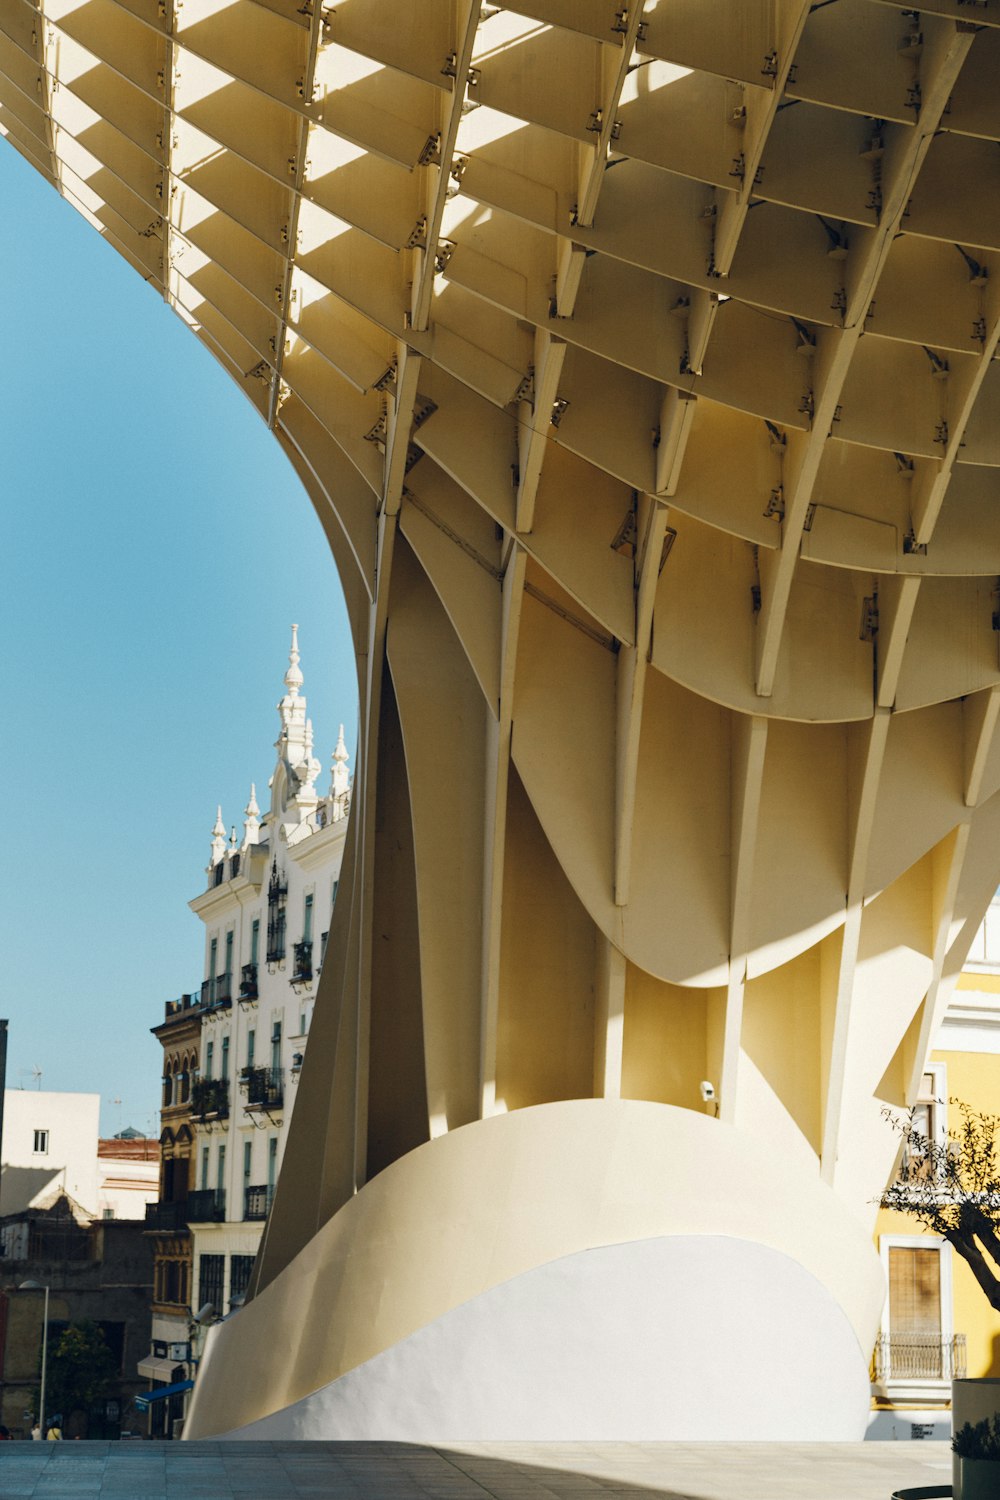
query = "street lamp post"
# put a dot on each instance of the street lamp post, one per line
(36, 1286)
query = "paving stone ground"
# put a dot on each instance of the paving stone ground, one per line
(470, 1471)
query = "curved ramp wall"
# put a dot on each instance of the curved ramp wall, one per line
(589, 1269)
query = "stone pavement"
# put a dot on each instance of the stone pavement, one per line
(470, 1471)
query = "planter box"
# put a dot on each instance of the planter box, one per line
(977, 1479)
(971, 1401)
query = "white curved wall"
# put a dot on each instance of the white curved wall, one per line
(695, 1338)
(646, 1250)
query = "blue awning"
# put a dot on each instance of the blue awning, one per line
(148, 1397)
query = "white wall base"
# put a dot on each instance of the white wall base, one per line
(904, 1424)
(694, 1337)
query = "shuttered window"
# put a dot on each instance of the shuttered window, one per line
(914, 1291)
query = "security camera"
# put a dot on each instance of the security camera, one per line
(205, 1314)
(707, 1091)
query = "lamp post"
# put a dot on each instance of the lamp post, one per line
(36, 1286)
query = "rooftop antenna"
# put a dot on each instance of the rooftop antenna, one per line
(36, 1074)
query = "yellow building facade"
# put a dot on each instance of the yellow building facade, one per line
(936, 1322)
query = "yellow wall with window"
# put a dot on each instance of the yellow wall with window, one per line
(972, 1077)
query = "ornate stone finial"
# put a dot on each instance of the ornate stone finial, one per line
(251, 820)
(308, 768)
(293, 677)
(340, 781)
(218, 839)
(233, 846)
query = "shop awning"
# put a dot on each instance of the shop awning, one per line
(148, 1397)
(159, 1369)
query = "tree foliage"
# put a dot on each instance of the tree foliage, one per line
(952, 1188)
(82, 1370)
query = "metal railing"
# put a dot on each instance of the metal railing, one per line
(257, 1201)
(248, 982)
(206, 1206)
(217, 991)
(210, 1096)
(302, 961)
(918, 1356)
(264, 1087)
(164, 1215)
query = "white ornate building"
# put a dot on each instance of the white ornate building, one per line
(266, 910)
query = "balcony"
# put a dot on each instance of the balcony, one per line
(168, 1217)
(302, 962)
(264, 1088)
(175, 1009)
(257, 1201)
(217, 993)
(917, 1359)
(210, 1099)
(248, 982)
(207, 1206)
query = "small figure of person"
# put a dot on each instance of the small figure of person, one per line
(5, 1436)
(36, 1434)
(54, 1434)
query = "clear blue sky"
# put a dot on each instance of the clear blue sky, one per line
(157, 546)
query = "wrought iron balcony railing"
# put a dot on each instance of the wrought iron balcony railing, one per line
(918, 1356)
(206, 1206)
(302, 961)
(257, 1201)
(217, 992)
(248, 982)
(166, 1216)
(264, 1087)
(210, 1098)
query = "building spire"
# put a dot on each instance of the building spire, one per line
(251, 820)
(340, 781)
(218, 839)
(293, 792)
(293, 677)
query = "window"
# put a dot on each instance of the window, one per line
(240, 1267)
(211, 1276)
(247, 1162)
(41, 1145)
(204, 1168)
(930, 1117)
(220, 1169)
(917, 1351)
(213, 957)
(224, 1071)
(209, 1058)
(277, 893)
(229, 953)
(272, 1165)
(251, 1039)
(323, 937)
(107, 1213)
(307, 920)
(930, 1110)
(255, 941)
(276, 1046)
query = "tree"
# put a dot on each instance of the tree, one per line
(952, 1188)
(82, 1370)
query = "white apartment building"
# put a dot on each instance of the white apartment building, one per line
(49, 1149)
(266, 911)
(52, 1150)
